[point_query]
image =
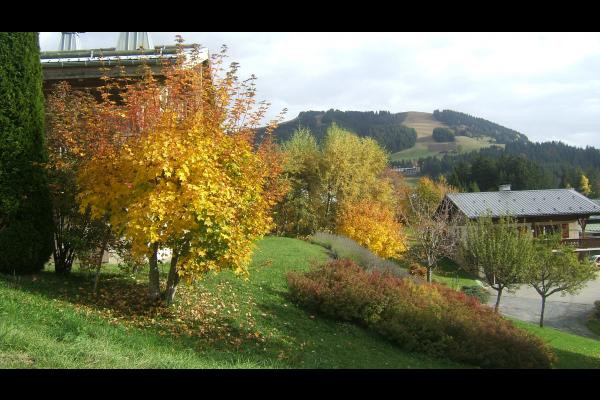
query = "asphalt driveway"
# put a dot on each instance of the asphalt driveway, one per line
(568, 313)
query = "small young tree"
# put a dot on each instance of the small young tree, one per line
(429, 222)
(584, 185)
(373, 225)
(499, 250)
(71, 140)
(186, 174)
(556, 268)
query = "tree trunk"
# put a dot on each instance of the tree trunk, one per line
(173, 279)
(153, 275)
(429, 274)
(542, 313)
(60, 252)
(497, 307)
(99, 259)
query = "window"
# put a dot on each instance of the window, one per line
(547, 229)
(565, 231)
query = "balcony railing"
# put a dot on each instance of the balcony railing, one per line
(583, 243)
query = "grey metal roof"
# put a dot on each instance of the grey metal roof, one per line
(524, 203)
(596, 217)
(111, 56)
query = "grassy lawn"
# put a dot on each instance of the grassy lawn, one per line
(572, 351)
(594, 326)
(47, 321)
(449, 273)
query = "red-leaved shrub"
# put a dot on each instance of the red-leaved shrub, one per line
(426, 318)
(417, 269)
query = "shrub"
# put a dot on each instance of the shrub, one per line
(597, 309)
(418, 270)
(346, 248)
(478, 292)
(427, 318)
(25, 207)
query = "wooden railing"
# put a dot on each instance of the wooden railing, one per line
(583, 243)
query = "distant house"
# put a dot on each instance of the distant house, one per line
(563, 211)
(592, 230)
(408, 171)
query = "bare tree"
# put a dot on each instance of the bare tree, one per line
(428, 217)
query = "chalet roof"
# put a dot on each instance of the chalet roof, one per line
(112, 56)
(524, 203)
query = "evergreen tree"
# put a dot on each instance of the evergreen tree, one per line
(25, 207)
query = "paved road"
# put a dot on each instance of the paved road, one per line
(568, 313)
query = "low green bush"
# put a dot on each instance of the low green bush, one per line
(426, 318)
(478, 292)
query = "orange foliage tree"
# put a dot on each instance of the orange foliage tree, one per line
(182, 171)
(72, 119)
(373, 225)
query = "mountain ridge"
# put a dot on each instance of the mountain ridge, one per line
(406, 135)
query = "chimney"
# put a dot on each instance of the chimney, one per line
(504, 188)
(69, 41)
(134, 41)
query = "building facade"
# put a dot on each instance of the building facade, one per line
(562, 211)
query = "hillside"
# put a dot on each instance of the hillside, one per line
(383, 126)
(425, 146)
(406, 135)
(467, 125)
(223, 321)
(526, 165)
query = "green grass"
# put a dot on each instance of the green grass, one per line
(48, 321)
(572, 351)
(594, 326)
(449, 273)
(427, 147)
(411, 181)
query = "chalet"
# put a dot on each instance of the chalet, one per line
(563, 211)
(84, 69)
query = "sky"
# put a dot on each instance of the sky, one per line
(545, 85)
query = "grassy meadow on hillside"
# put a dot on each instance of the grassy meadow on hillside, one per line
(424, 124)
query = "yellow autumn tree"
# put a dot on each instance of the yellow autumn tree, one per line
(373, 225)
(584, 185)
(187, 175)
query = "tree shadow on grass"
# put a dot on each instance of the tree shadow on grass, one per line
(569, 359)
(198, 320)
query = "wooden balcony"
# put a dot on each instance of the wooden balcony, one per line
(583, 243)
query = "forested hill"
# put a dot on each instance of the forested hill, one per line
(400, 131)
(467, 125)
(383, 126)
(525, 165)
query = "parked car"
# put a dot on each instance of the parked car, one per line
(595, 259)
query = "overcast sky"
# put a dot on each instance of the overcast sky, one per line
(545, 85)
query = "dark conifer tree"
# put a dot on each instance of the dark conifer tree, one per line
(25, 207)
